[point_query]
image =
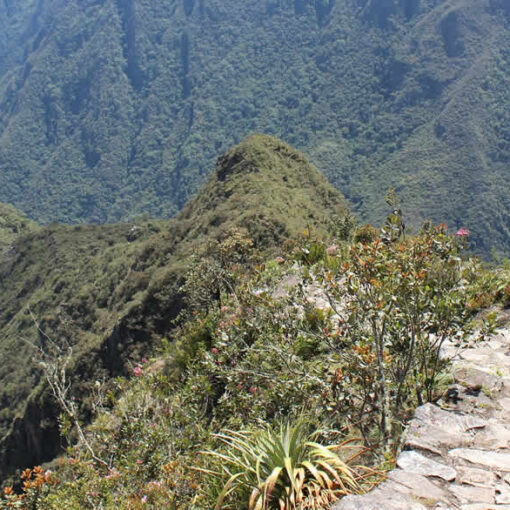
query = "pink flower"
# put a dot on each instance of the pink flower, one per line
(112, 473)
(253, 390)
(139, 462)
(138, 371)
(279, 260)
(144, 499)
(144, 360)
(331, 250)
(214, 350)
(463, 232)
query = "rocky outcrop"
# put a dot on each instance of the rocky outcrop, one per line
(455, 455)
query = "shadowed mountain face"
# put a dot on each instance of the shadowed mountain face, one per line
(112, 291)
(109, 108)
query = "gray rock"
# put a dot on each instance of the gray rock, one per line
(436, 430)
(434, 439)
(503, 494)
(484, 506)
(416, 441)
(475, 377)
(503, 413)
(486, 357)
(379, 499)
(499, 460)
(495, 436)
(417, 485)
(453, 423)
(469, 494)
(414, 462)
(475, 476)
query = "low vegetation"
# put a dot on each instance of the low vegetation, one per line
(112, 291)
(13, 224)
(288, 381)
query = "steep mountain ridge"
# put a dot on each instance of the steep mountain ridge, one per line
(112, 291)
(111, 100)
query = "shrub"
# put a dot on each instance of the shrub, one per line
(397, 303)
(366, 234)
(506, 296)
(36, 484)
(282, 469)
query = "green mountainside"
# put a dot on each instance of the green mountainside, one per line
(112, 291)
(12, 224)
(112, 108)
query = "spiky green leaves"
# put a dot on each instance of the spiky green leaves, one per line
(281, 468)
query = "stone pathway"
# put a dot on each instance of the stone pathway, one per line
(456, 456)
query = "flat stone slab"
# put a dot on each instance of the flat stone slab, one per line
(484, 506)
(503, 413)
(469, 494)
(499, 460)
(436, 430)
(417, 485)
(434, 439)
(452, 422)
(486, 357)
(494, 437)
(379, 499)
(476, 377)
(475, 476)
(415, 462)
(503, 494)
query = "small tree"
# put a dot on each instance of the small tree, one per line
(217, 268)
(55, 359)
(396, 302)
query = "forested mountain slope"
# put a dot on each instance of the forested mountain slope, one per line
(109, 108)
(112, 291)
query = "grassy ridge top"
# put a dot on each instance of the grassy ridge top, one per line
(113, 290)
(268, 187)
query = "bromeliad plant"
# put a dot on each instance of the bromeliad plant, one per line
(284, 469)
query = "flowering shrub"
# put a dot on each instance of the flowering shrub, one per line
(397, 302)
(36, 483)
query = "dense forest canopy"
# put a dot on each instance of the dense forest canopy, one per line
(111, 108)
